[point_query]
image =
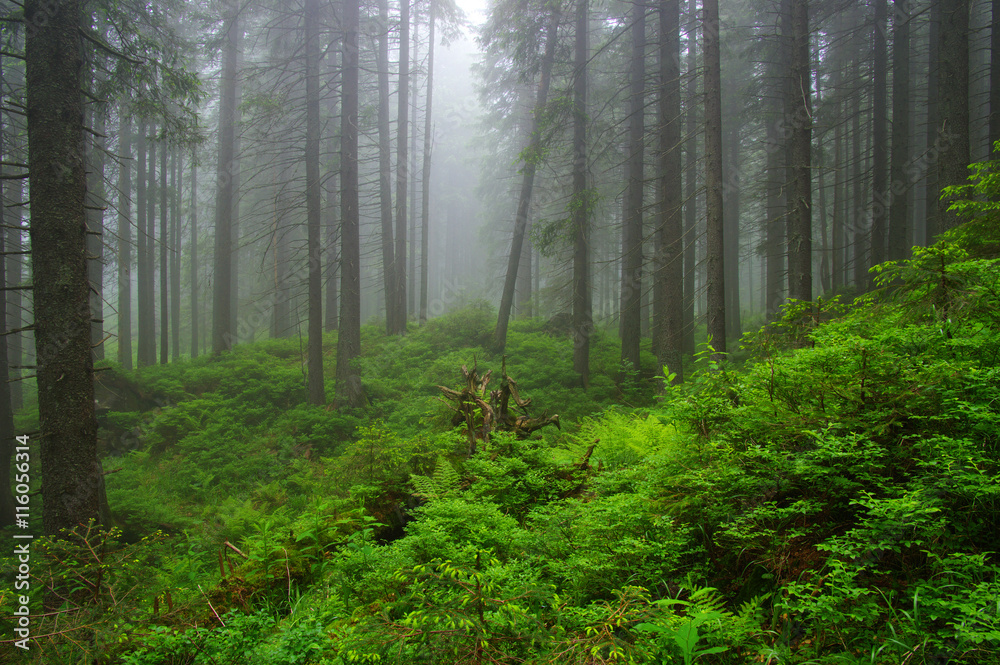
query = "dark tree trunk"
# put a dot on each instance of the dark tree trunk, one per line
(425, 199)
(631, 286)
(331, 320)
(994, 74)
(931, 190)
(731, 222)
(716, 285)
(125, 240)
(402, 165)
(7, 432)
(669, 280)
(776, 220)
(195, 314)
(953, 104)
(349, 389)
(13, 264)
(223, 333)
(175, 257)
(800, 141)
(900, 185)
(690, 190)
(880, 143)
(72, 478)
(317, 393)
(582, 300)
(384, 167)
(527, 183)
(164, 264)
(144, 266)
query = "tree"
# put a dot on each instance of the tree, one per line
(124, 240)
(223, 333)
(669, 277)
(713, 178)
(54, 63)
(315, 370)
(799, 115)
(631, 286)
(532, 156)
(899, 208)
(402, 167)
(952, 104)
(880, 157)
(425, 202)
(349, 389)
(581, 203)
(389, 282)
(195, 314)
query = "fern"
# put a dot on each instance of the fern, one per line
(444, 481)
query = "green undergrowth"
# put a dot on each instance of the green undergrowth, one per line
(835, 499)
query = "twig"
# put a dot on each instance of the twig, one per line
(210, 607)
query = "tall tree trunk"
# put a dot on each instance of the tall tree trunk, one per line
(384, 167)
(317, 393)
(731, 223)
(425, 199)
(669, 280)
(72, 478)
(716, 285)
(349, 388)
(223, 333)
(776, 212)
(631, 286)
(800, 142)
(994, 74)
(144, 266)
(690, 186)
(953, 104)
(583, 324)
(13, 190)
(402, 165)
(533, 153)
(880, 157)
(931, 189)
(411, 293)
(175, 257)
(164, 245)
(899, 194)
(7, 432)
(125, 239)
(839, 187)
(331, 320)
(195, 314)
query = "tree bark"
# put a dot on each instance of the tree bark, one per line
(223, 333)
(402, 172)
(631, 286)
(195, 314)
(175, 256)
(583, 325)
(317, 393)
(72, 478)
(716, 285)
(425, 201)
(899, 193)
(164, 246)
(800, 143)
(880, 143)
(953, 104)
(690, 189)
(389, 282)
(349, 389)
(669, 281)
(144, 265)
(124, 239)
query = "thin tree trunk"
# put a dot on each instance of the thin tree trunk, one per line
(631, 286)
(223, 333)
(713, 179)
(195, 314)
(669, 282)
(95, 225)
(880, 157)
(425, 202)
(583, 324)
(899, 207)
(527, 183)
(148, 297)
(402, 174)
(389, 282)
(953, 104)
(800, 205)
(142, 257)
(931, 189)
(331, 320)
(349, 389)
(317, 393)
(690, 189)
(175, 257)
(124, 239)
(164, 246)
